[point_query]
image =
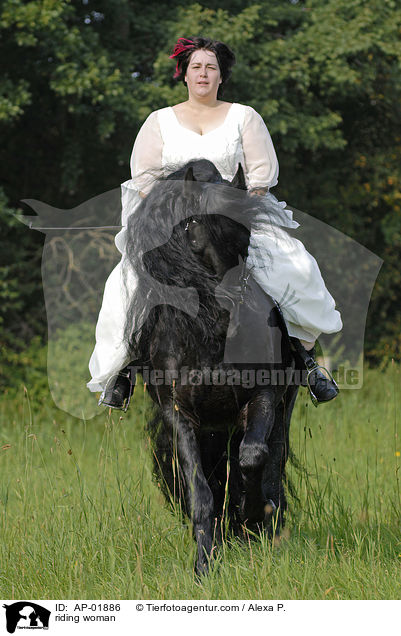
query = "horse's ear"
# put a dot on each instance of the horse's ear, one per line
(189, 176)
(239, 179)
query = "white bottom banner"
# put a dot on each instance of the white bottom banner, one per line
(183, 616)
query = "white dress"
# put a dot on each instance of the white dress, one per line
(291, 276)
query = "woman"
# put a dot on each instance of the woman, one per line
(227, 134)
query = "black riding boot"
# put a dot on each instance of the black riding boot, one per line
(118, 391)
(322, 388)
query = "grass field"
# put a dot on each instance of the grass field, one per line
(82, 518)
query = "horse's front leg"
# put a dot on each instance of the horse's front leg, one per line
(258, 421)
(274, 471)
(198, 496)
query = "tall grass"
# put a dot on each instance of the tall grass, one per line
(82, 517)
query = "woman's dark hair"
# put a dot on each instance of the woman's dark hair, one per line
(186, 46)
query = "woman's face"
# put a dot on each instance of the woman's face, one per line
(203, 74)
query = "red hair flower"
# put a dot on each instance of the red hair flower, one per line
(182, 45)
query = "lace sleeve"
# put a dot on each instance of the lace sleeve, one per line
(146, 157)
(260, 157)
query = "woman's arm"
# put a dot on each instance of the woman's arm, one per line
(146, 157)
(261, 165)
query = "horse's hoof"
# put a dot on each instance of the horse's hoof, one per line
(271, 520)
(269, 509)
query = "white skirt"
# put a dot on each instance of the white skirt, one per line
(278, 262)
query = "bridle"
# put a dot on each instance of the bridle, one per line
(245, 271)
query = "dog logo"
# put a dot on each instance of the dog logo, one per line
(26, 615)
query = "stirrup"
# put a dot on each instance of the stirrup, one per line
(309, 362)
(317, 367)
(118, 391)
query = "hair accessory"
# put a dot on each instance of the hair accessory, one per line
(179, 48)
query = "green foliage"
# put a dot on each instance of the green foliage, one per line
(24, 368)
(21, 309)
(13, 99)
(79, 79)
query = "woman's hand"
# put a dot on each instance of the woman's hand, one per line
(260, 191)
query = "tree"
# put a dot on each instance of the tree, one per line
(79, 78)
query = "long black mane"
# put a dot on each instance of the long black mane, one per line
(162, 257)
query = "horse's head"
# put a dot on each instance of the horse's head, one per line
(217, 239)
(206, 220)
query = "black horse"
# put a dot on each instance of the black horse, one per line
(217, 361)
